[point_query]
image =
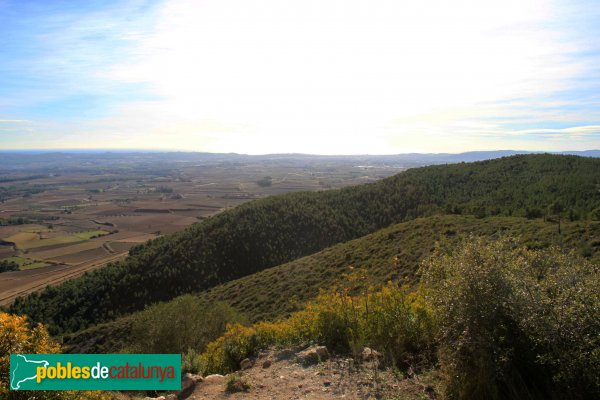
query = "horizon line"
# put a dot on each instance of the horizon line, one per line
(170, 151)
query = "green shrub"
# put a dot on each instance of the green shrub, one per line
(236, 384)
(558, 307)
(469, 292)
(596, 214)
(6, 266)
(267, 181)
(179, 325)
(192, 362)
(515, 323)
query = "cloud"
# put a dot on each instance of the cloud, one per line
(53, 52)
(314, 76)
(577, 130)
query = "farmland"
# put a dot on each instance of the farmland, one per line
(62, 215)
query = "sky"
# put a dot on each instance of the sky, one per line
(302, 76)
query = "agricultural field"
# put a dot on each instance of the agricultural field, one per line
(63, 215)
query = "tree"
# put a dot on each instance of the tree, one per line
(6, 266)
(596, 214)
(265, 182)
(557, 208)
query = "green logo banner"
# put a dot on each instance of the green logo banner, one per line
(95, 371)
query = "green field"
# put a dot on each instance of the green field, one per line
(31, 240)
(26, 263)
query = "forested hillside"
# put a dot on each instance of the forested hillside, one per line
(393, 253)
(275, 230)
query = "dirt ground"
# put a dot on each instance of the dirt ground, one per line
(337, 378)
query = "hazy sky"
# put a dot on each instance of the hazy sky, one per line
(313, 76)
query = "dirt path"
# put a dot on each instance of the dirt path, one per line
(278, 375)
(19, 283)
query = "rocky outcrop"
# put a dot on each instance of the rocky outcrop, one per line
(246, 363)
(313, 355)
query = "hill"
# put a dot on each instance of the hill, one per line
(393, 253)
(276, 230)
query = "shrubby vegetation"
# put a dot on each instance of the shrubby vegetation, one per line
(164, 189)
(500, 322)
(6, 266)
(5, 179)
(515, 323)
(275, 230)
(496, 319)
(16, 336)
(179, 325)
(265, 182)
(393, 253)
(344, 323)
(8, 192)
(27, 219)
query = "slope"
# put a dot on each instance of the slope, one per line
(275, 230)
(393, 253)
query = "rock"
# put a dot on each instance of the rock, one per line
(267, 363)
(188, 384)
(313, 355)
(214, 378)
(369, 354)
(246, 363)
(286, 354)
(171, 397)
(155, 398)
(327, 383)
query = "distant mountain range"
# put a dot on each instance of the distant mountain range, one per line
(58, 159)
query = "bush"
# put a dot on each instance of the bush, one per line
(469, 293)
(267, 181)
(558, 307)
(395, 323)
(192, 362)
(6, 266)
(391, 321)
(236, 384)
(515, 323)
(182, 324)
(532, 213)
(164, 189)
(224, 354)
(17, 337)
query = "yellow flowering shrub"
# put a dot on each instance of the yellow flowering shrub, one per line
(17, 337)
(397, 324)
